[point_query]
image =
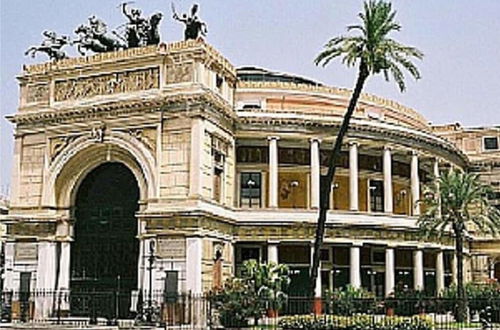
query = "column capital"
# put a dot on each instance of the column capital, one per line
(414, 153)
(315, 139)
(388, 147)
(353, 143)
(273, 137)
(273, 242)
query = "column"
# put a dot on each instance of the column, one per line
(315, 173)
(436, 176)
(390, 271)
(418, 269)
(194, 253)
(8, 284)
(317, 289)
(439, 272)
(272, 251)
(195, 162)
(45, 278)
(415, 183)
(64, 267)
(387, 167)
(353, 177)
(355, 267)
(273, 171)
(64, 271)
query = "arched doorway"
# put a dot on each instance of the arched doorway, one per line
(105, 250)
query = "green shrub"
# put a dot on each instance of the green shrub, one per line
(479, 296)
(358, 322)
(350, 301)
(407, 302)
(259, 288)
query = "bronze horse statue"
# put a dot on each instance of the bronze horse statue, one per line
(86, 41)
(51, 46)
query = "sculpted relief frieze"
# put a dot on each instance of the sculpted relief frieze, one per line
(37, 93)
(179, 73)
(107, 84)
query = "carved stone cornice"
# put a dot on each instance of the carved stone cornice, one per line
(362, 131)
(142, 103)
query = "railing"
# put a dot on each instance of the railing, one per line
(188, 311)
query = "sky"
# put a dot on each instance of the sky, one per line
(460, 39)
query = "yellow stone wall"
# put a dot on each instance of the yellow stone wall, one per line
(174, 164)
(31, 150)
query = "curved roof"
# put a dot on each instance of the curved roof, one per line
(251, 73)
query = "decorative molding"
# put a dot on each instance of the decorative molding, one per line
(57, 145)
(97, 132)
(387, 105)
(25, 228)
(146, 135)
(107, 84)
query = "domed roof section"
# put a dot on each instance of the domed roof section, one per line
(251, 73)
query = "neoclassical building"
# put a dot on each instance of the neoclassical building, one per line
(171, 151)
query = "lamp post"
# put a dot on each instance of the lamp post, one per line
(151, 261)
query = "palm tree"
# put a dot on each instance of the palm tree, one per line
(373, 52)
(458, 202)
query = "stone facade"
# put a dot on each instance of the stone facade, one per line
(227, 169)
(482, 147)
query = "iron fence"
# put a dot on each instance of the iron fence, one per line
(189, 311)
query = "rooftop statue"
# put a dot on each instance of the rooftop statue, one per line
(194, 27)
(95, 37)
(141, 31)
(51, 45)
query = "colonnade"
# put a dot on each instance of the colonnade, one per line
(390, 267)
(315, 168)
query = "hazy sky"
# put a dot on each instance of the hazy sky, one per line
(460, 39)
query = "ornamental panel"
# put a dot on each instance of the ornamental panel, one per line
(107, 84)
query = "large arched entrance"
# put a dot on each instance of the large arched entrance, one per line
(105, 250)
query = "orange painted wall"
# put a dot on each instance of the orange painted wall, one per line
(341, 194)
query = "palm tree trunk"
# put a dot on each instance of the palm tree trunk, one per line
(326, 186)
(462, 299)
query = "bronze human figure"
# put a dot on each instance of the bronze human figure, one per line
(194, 27)
(51, 45)
(141, 31)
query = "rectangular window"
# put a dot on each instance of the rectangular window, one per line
(325, 255)
(376, 196)
(378, 256)
(490, 143)
(250, 189)
(249, 253)
(217, 185)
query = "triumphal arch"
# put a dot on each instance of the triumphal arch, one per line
(113, 151)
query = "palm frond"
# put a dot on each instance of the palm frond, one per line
(373, 47)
